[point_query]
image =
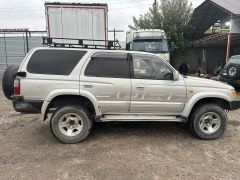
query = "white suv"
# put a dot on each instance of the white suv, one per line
(79, 86)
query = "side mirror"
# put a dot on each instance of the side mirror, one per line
(176, 76)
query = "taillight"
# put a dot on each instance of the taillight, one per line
(16, 87)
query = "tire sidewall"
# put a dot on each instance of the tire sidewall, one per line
(236, 76)
(8, 80)
(87, 124)
(203, 110)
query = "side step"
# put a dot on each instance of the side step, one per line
(132, 118)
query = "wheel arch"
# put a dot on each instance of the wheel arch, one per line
(60, 100)
(222, 101)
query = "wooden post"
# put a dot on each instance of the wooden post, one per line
(228, 47)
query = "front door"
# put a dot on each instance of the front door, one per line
(154, 90)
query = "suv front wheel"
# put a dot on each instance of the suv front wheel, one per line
(208, 121)
(71, 124)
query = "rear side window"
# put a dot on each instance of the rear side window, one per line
(54, 62)
(112, 65)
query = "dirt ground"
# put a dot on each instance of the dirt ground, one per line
(28, 150)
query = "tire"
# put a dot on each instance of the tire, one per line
(8, 81)
(233, 71)
(63, 128)
(205, 113)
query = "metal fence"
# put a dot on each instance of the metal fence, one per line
(14, 47)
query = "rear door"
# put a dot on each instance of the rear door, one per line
(107, 77)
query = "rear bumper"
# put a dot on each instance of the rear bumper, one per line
(235, 105)
(26, 106)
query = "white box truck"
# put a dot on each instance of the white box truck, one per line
(148, 40)
(76, 21)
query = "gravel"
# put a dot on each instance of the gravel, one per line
(115, 151)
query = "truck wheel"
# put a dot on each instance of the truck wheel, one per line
(208, 122)
(8, 80)
(71, 124)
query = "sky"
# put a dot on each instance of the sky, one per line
(30, 13)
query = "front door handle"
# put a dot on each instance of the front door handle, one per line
(140, 87)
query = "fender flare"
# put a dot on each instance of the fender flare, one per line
(58, 92)
(199, 96)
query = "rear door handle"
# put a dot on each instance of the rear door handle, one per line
(140, 87)
(89, 86)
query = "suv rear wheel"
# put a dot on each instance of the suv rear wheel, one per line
(71, 124)
(208, 122)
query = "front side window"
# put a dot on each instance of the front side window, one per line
(54, 62)
(112, 65)
(149, 67)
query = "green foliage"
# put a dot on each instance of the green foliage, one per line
(172, 16)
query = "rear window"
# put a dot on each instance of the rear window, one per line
(112, 65)
(54, 62)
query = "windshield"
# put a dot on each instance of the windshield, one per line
(235, 60)
(151, 45)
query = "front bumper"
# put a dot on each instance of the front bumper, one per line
(235, 105)
(26, 106)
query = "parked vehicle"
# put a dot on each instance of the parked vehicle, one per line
(76, 21)
(75, 87)
(231, 72)
(148, 40)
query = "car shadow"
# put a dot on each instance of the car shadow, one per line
(144, 129)
(121, 130)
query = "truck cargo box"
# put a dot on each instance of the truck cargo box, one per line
(77, 20)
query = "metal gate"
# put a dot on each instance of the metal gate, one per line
(15, 46)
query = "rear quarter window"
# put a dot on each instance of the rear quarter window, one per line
(54, 62)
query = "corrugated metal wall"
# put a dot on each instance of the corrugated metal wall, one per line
(14, 49)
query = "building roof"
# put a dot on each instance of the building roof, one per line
(217, 40)
(232, 6)
(208, 13)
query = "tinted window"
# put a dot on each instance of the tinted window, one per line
(54, 62)
(113, 65)
(149, 67)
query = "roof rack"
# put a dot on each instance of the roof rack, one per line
(81, 43)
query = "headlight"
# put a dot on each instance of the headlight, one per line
(234, 93)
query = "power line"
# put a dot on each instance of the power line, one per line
(129, 7)
(31, 7)
(127, 2)
(24, 18)
(20, 7)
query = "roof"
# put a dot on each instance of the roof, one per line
(232, 6)
(74, 4)
(208, 13)
(217, 40)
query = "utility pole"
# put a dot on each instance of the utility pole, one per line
(114, 35)
(155, 5)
